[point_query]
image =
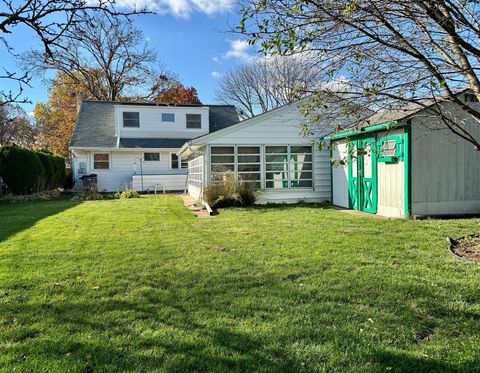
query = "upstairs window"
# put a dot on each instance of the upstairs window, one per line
(194, 121)
(101, 161)
(168, 117)
(470, 97)
(151, 157)
(131, 119)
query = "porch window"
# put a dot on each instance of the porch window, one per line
(249, 165)
(222, 163)
(101, 161)
(288, 167)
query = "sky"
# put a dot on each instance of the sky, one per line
(191, 38)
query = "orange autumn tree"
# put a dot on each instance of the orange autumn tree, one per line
(56, 118)
(178, 94)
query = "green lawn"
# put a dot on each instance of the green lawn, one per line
(143, 285)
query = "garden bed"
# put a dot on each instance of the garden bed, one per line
(466, 248)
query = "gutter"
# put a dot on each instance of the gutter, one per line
(376, 127)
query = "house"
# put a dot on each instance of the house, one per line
(405, 163)
(135, 144)
(267, 151)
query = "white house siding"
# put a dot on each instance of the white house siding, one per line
(340, 174)
(151, 124)
(123, 165)
(445, 169)
(390, 184)
(278, 127)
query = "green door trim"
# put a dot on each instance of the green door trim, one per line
(358, 186)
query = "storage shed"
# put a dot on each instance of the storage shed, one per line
(408, 163)
(267, 150)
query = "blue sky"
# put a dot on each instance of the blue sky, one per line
(190, 37)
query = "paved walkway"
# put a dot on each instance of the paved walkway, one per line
(191, 204)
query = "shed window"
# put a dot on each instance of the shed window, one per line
(168, 117)
(194, 121)
(101, 161)
(151, 157)
(389, 148)
(131, 119)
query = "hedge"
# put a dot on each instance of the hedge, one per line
(26, 171)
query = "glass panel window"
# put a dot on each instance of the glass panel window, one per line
(222, 150)
(183, 163)
(223, 167)
(248, 167)
(288, 167)
(151, 157)
(168, 117)
(101, 161)
(276, 149)
(248, 159)
(173, 161)
(248, 150)
(223, 159)
(131, 119)
(194, 121)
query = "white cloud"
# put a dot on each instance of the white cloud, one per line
(178, 8)
(31, 114)
(217, 74)
(239, 49)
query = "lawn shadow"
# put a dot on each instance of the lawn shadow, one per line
(18, 217)
(268, 207)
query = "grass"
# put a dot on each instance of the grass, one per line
(143, 285)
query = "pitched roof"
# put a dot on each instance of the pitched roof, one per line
(95, 126)
(389, 117)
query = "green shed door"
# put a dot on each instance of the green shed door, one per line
(362, 175)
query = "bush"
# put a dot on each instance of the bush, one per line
(26, 171)
(42, 196)
(127, 193)
(21, 169)
(230, 193)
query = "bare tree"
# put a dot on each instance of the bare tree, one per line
(49, 20)
(264, 84)
(15, 128)
(109, 57)
(392, 53)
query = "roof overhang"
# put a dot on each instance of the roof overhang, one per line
(354, 132)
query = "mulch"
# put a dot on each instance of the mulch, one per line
(466, 248)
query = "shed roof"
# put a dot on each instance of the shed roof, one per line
(95, 126)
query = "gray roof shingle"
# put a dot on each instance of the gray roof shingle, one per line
(95, 126)
(151, 143)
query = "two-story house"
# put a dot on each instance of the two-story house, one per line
(135, 144)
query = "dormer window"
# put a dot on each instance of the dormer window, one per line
(194, 121)
(168, 117)
(469, 97)
(131, 119)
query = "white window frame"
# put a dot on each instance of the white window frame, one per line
(109, 161)
(193, 129)
(130, 127)
(159, 156)
(263, 163)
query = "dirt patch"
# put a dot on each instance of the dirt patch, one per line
(466, 248)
